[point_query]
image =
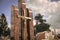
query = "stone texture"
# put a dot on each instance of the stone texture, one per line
(40, 36)
(16, 23)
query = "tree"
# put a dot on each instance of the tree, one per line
(42, 26)
(1, 30)
(4, 26)
(38, 17)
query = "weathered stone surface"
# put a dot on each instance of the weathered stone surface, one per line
(16, 23)
(40, 36)
(22, 28)
(31, 25)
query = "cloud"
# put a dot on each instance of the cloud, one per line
(50, 10)
(54, 0)
(34, 22)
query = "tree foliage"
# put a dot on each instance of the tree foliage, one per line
(4, 30)
(42, 26)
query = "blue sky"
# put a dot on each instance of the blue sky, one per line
(5, 7)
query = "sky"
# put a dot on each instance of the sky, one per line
(49, 8)
(5, 7)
